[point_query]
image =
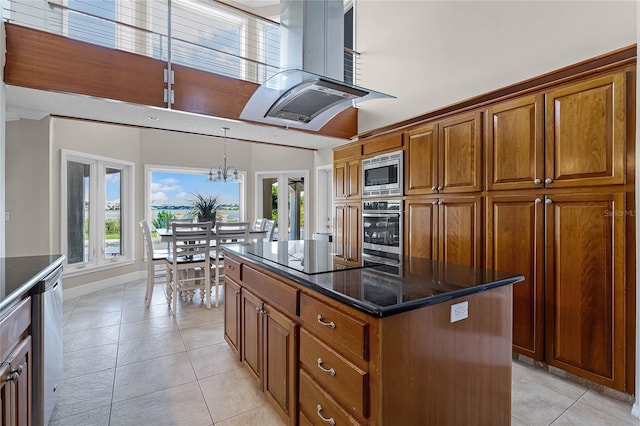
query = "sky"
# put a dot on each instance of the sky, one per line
(178, 188)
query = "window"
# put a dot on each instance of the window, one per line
(87, 25)
(97, 211)
(170, 190)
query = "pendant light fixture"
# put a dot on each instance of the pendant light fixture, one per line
(222, 175)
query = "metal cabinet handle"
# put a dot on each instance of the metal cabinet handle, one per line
(537, 181)
(237, 292)
(538, 201)
(548, 180)
(548, 201)
(439, 203)
(231, 267)
(329, 371)
(434, 188)
(439, 188)
(15, 374)
(331, 324)
(324, 419)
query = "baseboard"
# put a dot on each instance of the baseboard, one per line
(81, 290)
(636, 409)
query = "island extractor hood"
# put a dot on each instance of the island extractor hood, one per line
(308, 93)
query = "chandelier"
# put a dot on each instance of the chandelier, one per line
(223, 171)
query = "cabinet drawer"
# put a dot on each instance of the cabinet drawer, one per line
(340, 330)
(344, 381)
(13, 325)
(317, 405)
(272, 290)
(232, 269)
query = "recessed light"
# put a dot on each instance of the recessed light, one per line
(154, 118)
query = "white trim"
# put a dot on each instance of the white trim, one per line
(323, 195)
(82, 290)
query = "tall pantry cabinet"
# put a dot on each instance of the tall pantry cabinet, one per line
(556, 212)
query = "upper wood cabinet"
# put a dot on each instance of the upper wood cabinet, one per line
(515, 144)
(347, 178)
(421, 163)
(445, 157)
(586, 133)
(459, 168)
(585, 286)
(382, 143)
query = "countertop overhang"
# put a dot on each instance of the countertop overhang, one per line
(19, 274)
(420, 283)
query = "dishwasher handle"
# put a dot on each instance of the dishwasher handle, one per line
(49, 282)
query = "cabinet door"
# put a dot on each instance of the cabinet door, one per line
(515, 243)
(460, 139)
(251, 346)
(232, 314)
(585, 286)
(280, 363)
(6, 396)
(459, 233)
(340, 180)
(421, 229)
(586, 133)
(20, 362)
(515, 144)
(354, 233)
(421, 171)
(340, 230)
(354, 171)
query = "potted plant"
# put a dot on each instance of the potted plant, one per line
(205, 207)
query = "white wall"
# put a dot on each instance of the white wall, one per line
(435, 53)
(33, 174)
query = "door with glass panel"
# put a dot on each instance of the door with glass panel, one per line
(281, 197)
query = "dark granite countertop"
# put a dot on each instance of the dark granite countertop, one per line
(421, 282)
(19, 274)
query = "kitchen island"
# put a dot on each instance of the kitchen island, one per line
(428, 346)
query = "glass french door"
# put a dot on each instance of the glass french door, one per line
(281, 197)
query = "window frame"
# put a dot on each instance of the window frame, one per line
(97, 186)
(149, 168)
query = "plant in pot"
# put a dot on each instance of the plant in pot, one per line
(205, 207)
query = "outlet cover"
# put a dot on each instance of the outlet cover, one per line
(459, 311)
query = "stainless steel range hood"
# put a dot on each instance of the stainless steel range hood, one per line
(308, 93)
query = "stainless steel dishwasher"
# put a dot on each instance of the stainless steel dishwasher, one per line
(46, 331)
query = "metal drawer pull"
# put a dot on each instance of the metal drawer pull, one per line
(324, 419)
(231, 267)
(330, 371)
(328, 324)
(15, 374)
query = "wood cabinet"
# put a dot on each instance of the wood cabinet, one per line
(515, 242)
(445, 156)
(585, 285)
(585, 132)
(348, 232)
(232, 314)
(387, 142)
(446, 229)
(322, 361)
(347, 179)
(268, 338)
(15, 369)
(515, 144)
(570, 310)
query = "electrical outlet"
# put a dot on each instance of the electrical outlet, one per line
(459, 311)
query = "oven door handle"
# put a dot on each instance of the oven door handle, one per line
(381, 214)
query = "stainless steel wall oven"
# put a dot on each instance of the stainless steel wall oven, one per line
(382, 233)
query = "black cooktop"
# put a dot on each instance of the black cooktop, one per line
(310, 256)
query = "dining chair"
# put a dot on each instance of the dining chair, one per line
(269, 227)
(258, 225)
(154, 258)
(189, 263)
(226, 233)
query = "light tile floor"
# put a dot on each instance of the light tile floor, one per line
(125, 364)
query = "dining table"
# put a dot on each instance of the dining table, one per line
(166, 235)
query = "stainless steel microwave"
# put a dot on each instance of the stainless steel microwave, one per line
(382, 175)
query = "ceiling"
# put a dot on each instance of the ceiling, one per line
(36, 104)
